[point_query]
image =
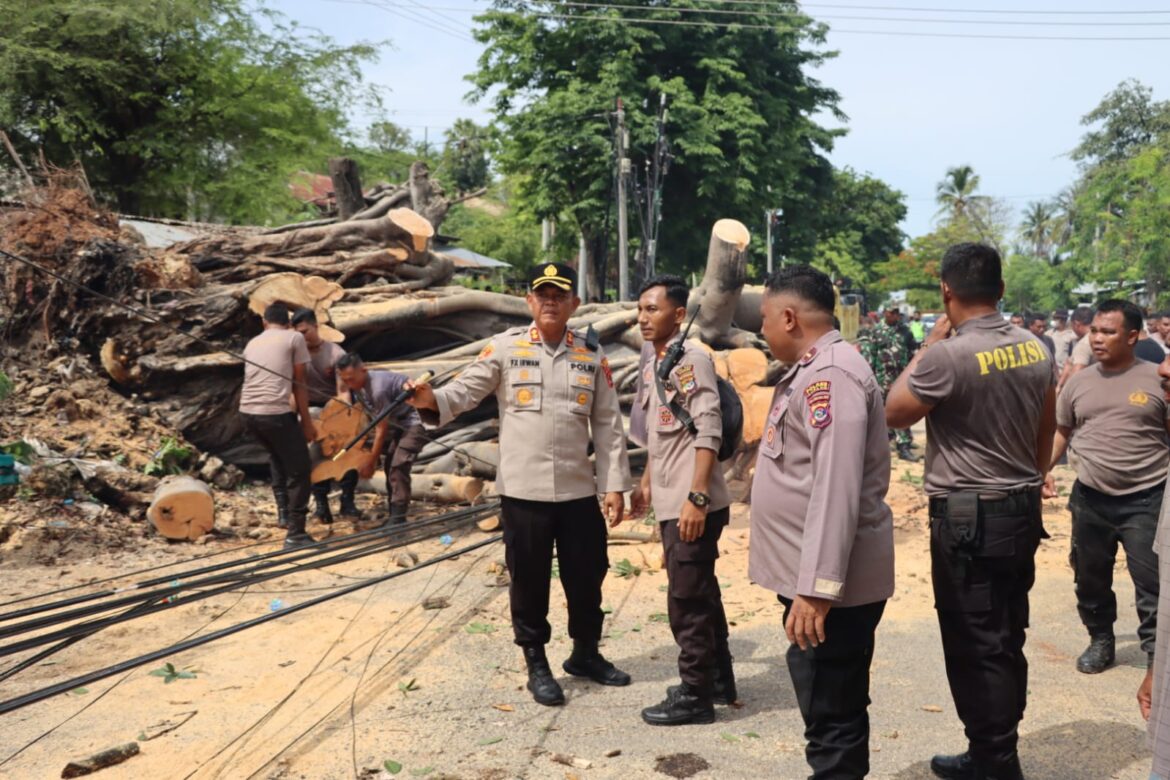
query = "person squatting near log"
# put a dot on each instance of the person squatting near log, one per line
(989, 399)
(822, 535)
(1113, 419)
(556, 394)
(324, 383)
(275, 369)
(684, 483)
(398, 438)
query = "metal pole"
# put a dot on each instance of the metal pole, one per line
(768, 220)
(623, 227)
(581, 272)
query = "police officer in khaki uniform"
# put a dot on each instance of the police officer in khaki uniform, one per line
(555, 393)
(988, 396)
(822, 535)
(684, 483)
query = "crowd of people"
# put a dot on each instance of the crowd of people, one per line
(1004, 402)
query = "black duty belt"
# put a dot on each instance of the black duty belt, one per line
(994, 502)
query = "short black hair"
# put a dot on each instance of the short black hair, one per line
(277, 314)
(350, 360)
(304, 314)
(974, 272)
(1129, 311)
(807, 283)
(1032, 316)
(677, 290)
(1082, 315)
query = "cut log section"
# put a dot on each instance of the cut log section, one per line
(414, 225)
(336, 427)
(310, 292)
(444, 488)
(723, 280)
(182, 508)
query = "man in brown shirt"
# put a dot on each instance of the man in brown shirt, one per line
(988, 398)
(822, 535)
(1114, 419)
(555, 393)
(323, 385)
(684, 483)
(275, 369)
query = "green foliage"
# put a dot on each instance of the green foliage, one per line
(1120, 226)
(497, 229)
(624, 568)
(171, 458)
(1031, 284)
(406, 688)
(858, 229)
(465, 163)
(195, 108)
(392, 766)
(169, 673)
(5, 385)
(479, 628)
(740, 102)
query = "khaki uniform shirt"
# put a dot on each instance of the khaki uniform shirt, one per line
(670, 444)
(986, 385)
(268, 374)
(1063, 340)
(1118, 422)
(321, 373)
(551, 398)
(820, 523)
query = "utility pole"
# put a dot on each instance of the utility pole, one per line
(768, 221)
(623, 170)
(581, 257)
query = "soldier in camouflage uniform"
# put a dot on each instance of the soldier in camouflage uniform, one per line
(884, 348)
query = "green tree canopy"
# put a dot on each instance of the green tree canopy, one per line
(177, 107)
(465, 160)
(741, 107)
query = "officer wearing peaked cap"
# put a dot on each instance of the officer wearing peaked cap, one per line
(555, 394)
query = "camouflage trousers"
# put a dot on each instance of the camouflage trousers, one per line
(900, 436)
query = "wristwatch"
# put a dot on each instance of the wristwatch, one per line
(700, 500)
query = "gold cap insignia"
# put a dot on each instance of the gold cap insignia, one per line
(550, 270)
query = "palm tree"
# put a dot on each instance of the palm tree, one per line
(956, 196)
(1037, 228)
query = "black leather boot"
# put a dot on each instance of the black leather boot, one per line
(905, 453)
(1098, 656)
(544, 687)
(348, 508)
(587, 661)
(398, 514)
(281, 497)
(296, 536)
(321, 511)
(724, 682)
(681, 706)
(960, 767)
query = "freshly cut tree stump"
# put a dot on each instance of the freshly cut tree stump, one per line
(182, 508)
(444, 488)
(723, 280)
(311, 292)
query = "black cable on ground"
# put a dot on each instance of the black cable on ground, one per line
(272, 558)
(25, 700)
(172, 600)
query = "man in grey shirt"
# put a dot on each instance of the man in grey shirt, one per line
(1113, 418)
(988, 396)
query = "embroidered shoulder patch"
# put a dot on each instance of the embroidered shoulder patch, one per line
(818, 396)
(606, 370)
(486, 352)
(686, 378)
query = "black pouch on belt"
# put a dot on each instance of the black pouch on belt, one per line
(963, 521)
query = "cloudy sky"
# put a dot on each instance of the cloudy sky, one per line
(1003, 92)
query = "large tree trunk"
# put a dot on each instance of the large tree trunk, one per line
(723, 280)
(347, 187)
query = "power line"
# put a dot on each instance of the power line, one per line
(413, 16)
(799, 15)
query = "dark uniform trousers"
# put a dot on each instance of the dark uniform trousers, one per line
(832, 690)
(577, 528)
(1100, 521)
(981, 595)
(694, 604)
(400, 447)
(288, 457)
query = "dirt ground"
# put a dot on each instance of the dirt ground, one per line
(372, 682)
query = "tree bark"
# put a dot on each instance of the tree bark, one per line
(347, 187)
(723, 280)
